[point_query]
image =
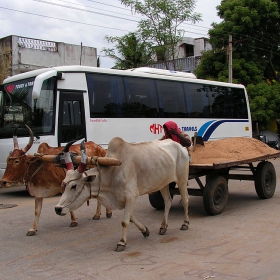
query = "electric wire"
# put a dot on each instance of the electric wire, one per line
(85, 10)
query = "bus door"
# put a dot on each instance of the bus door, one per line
(71, 117)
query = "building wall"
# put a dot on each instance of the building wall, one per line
(183, 63)
(30, 54)
(5, 58)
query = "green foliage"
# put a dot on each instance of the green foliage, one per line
(161, 26)
(255, 29)
(129, 52)
(264, 102)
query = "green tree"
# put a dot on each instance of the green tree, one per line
(255, 28)
(129, 51)
(161, 23)
(264, 102)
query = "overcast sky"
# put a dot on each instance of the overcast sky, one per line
(85, 21)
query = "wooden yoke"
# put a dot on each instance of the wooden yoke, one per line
(59, 160)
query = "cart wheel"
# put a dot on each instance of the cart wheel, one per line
(156, 199)
(265, 179)
(215, 195)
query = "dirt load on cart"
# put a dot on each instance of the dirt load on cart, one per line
(230, 150)
(218, 161)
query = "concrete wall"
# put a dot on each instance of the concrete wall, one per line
(199, 45)
(5, 58)
(29, 54)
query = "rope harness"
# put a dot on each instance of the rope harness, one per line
(94, 161)
(25, 177)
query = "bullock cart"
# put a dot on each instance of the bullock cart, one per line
(213, 179)
(214, 187)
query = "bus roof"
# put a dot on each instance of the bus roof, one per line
(136, 72)
(163, 72)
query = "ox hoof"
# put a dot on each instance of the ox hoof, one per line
(73, 224)
(162, 231)
(109, 215)
(95, 217)
(146, 233)
(184, 227)
(30, 233)
(120, 248)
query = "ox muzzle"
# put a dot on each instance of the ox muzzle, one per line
(58, 211)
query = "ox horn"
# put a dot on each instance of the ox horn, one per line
(15, 138)
(83, 164)
(67, 158)
(31, 139)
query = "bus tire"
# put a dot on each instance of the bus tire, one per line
(265, 180)
(215, 195)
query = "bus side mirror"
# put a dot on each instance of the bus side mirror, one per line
(37, 86)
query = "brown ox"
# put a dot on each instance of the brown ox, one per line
(42, 179)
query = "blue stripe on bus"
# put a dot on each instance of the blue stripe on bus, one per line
(204, 128)
(208, 128)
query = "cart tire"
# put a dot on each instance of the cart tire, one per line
(215, 195)
(156, 199)
(265, 179)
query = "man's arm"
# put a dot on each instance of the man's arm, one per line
(184, 139)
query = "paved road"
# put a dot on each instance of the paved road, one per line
(241, 243)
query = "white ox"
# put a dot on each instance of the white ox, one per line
(146, 167)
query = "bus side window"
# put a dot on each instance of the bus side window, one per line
(172, 95)
(106, 96)
(140, 93)
(187, 99)
(198, 98)
(66, 113)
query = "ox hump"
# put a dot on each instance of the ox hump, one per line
(115, 144)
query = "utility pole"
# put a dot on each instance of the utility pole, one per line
(230, 59)
(81, 53)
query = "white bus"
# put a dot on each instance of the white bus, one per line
(62, 103)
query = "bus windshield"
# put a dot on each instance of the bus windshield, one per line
(17, 108)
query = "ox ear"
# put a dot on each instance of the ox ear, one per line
(90, 178)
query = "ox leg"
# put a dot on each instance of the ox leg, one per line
(185, 201)
(129, 205)
(97, 212)
(167, 204)
(74, 222)
(108, 213)
(145, 231)
(38, 208)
